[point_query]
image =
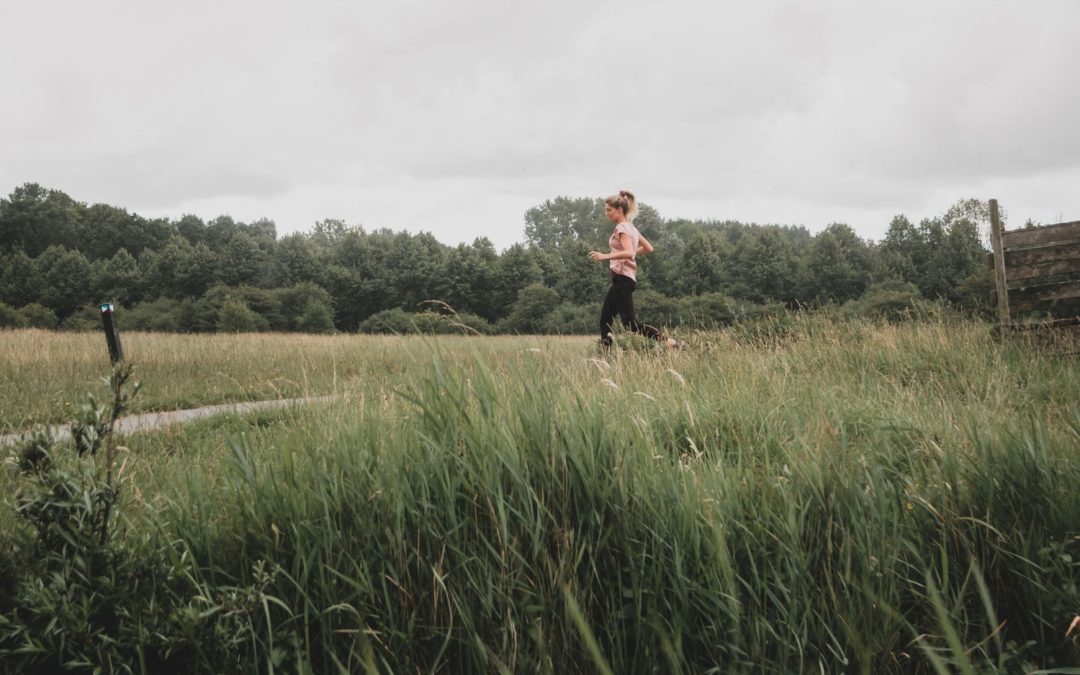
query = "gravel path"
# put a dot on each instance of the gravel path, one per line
(133, 424)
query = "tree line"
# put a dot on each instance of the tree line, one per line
(60, 257)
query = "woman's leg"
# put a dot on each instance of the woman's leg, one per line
(624, 298)
(607, 316)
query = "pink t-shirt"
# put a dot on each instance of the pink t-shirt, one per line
(625, 266)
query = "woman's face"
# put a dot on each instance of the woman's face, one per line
(613, 214)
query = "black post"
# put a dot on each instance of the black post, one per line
(112, 335)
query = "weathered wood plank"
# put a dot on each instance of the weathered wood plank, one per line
(1049, 323)
(1041, 235)
(1045, 254)
(1021, 298)
(1042, 270)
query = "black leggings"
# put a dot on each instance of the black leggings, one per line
(620, 299)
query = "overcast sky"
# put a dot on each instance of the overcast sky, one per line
(456, 117)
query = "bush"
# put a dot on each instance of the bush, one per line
(317, 317)
(388, 321)
(399, 322)
(711, 310)
(84, 600)
(569, 319)
(532, 313)
(264, 305)
(467, 322)
(86, 319)
(196, 316)
(890, 301)
(658, 309)
(303, 307)
(236, 317)
(38, 316)
(158, 315)
(11, 317)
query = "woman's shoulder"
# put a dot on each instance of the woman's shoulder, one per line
(628, 228)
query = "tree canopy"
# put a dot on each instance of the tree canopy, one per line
(58, 255)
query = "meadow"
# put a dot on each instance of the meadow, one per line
(807, 496)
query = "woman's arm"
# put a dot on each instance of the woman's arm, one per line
(623, 254)
(644, 246)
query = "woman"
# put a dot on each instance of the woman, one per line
(626, 245)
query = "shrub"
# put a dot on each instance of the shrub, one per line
(236, 317)
(304, 307)
(87, 318)
(38, 316)
(398, 321)
(710, 310)
(570, 319)
(317, 317)
(532, 313)
(157, 315)
(890, 301)
(393, 321)
(11, 317)
(658, 309)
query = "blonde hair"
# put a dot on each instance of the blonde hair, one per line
(625, 202)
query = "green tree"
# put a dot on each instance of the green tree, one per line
(263, 230)
(117, 279)
(264, 303)
(764, 267)
(317, 317)
(330, 232)
(163, 270)
(665, 264)
(38, 316)
(583, 279)
(219, 231)
(563, 219)
(517, 267)
(532, 312)
(961, 259)
(704, 264)
(236, 317)
(191, 228)
(294, 301)
(67, 280)
(934, 278)
(196, 270)
(839, 264)
(11, 317)
(103, 230)
(243, 261)
(902, 246)
(467, 278)
(156, 315)
(33, 218)
(296, 260)
(20, 281)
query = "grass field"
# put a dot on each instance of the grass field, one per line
(43, 374)
(819, 496)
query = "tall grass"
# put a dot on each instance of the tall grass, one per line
(43, 374)
(826, 498)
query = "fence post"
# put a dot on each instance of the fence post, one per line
(999, 265)
(112, 334)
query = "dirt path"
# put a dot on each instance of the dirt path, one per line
(133, 424)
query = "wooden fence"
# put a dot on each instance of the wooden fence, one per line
(1037, 273)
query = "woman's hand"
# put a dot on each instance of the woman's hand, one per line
(597, 255)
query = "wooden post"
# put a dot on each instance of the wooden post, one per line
(112, 334)
(999, 265)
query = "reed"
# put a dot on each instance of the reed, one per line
(833, 498)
